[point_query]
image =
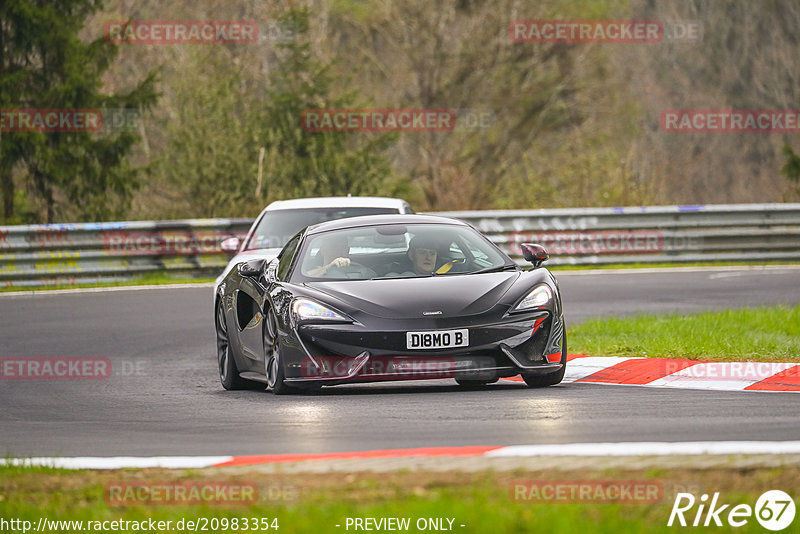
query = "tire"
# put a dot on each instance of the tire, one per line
(550, 379)
(226, 364)
(273, 365)
(468, 383)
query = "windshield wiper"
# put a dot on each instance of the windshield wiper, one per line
(402, 277)
(504, 267)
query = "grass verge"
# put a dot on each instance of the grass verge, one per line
(757, 334)
(482, 502)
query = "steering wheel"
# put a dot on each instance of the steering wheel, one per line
(353, 271)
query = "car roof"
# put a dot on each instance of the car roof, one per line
(338, 202)
(375, 220)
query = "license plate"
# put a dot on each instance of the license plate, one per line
(437, 339)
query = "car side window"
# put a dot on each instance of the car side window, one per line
(454, 251)
(472, 249)
(286, 256)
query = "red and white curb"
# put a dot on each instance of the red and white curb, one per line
(685, 374)
(569, 449)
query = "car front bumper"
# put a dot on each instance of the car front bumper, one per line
(347, 353)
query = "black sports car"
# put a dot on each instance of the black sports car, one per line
(388, 297)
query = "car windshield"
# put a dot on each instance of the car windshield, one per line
(276, 227)
(397, 251)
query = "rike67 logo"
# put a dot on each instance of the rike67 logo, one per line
(774, 510)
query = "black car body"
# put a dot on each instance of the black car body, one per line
(477, 317)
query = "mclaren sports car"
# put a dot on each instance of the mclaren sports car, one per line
(388, 297)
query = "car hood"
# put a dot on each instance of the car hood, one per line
(402, 298)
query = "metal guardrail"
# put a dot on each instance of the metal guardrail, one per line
(78, 253)
(649, 234)
(66, 254)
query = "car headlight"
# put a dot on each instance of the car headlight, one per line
(310, 310)
(537, 298)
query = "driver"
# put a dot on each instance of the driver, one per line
(336, 262)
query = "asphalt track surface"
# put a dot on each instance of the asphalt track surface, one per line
(164, 396)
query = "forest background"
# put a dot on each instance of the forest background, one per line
(571, 124)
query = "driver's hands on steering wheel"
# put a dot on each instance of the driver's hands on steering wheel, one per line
(338, 262)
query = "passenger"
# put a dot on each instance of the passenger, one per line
(422, 251)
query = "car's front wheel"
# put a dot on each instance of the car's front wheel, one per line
(550, 379)
(228, 372)
(273, 363)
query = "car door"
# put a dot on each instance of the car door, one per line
(250, 318)
(253, 292)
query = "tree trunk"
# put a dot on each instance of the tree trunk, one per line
(50, 205)
(7, 185)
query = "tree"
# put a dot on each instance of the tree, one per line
(210, 161)
(81, 174)
(226, 104)
(747, 60)
(458, 56)
(791, 169)
(301, 163)
(15, 52)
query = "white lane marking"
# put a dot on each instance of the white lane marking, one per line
(721, 375)
(659, 270)
(650, 448)
(737, 274)
(645, 448)
(121, 462)
(583, 367)
(36, 292)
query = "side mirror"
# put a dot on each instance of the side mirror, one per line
(251, 268)
(535, 254)
(230, 245)
(271, 269)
